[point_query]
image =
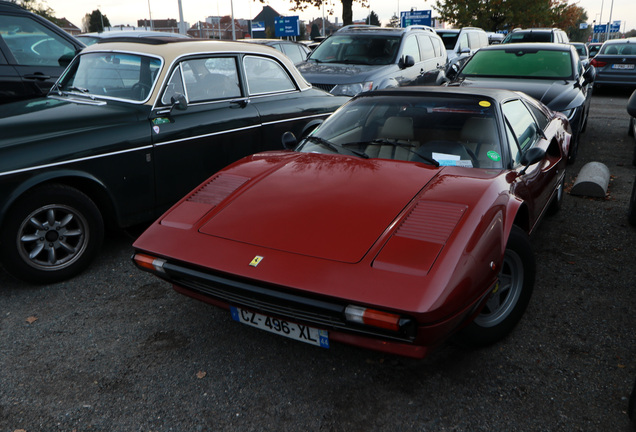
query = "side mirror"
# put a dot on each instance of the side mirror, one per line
(406, 62)
(452, 71)
(289, 141)
(531, 157)
(631, 104)
(179, 102)
(589, 75)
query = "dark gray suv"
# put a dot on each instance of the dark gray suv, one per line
(33, 53)
(362, 58)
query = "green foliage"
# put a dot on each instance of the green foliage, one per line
(315, 32)
(373, 19)
(39, 8)
(493, 15)
(97, 21)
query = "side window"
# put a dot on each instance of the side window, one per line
(438, 46)
(463, 42)
(293, 52)
(32, 44)
(522, 123)
(175, 85)
(540, 117)
(205, 79)
(265, 75)
(473, 40)
(426, 47)
(412, 48)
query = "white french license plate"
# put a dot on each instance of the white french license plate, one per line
(622, 66)
(294, 331)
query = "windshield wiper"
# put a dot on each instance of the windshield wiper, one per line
(334, 147)
(394, 143)
(79, 89)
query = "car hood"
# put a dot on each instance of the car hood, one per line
(339, 73)
(559, 95)
(35, 127)
(320, 206)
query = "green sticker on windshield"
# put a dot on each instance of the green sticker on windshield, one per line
(493, 155)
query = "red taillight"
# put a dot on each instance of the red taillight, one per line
(372, 317)
(597, 63)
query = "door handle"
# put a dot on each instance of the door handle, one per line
(37, 76)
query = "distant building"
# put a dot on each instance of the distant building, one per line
(219, 28)
(169, 25)
(267, 15)
(68, 26)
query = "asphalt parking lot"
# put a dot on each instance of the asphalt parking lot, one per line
(117, 350)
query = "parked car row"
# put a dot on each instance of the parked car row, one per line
(434, 187)
(128, 129)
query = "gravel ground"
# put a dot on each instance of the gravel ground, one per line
(117, 350)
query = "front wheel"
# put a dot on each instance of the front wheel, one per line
(510, 297)
(51, 234)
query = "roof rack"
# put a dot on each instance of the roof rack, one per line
(420, 27)
(357, 27)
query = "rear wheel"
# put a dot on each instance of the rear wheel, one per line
(510, 297)
(51, 234)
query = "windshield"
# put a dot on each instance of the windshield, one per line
(111, 75)
(357, 49)
(432, 129)
(449, 39)
(525, 63)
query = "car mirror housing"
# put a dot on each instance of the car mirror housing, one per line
(531, 157)
(631, 104)
(289, 141)
(589, 75)
(406, 62)
(178, 102)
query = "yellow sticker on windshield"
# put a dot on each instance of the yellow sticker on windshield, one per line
(485, 104)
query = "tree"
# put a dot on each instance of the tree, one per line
(95, 21)
(39, 8)
(373, 19)
(347, 7)
(315, 31)
(493, 15)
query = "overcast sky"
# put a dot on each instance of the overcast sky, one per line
(129, 11)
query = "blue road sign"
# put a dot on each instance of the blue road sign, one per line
(286, 26)
(415, 17)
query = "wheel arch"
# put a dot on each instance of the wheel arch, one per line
(82, 181)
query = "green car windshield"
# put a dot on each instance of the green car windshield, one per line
(111, 75)
(515, 63)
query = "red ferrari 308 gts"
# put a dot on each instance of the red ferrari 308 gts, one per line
(401, 220)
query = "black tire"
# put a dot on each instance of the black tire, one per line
(51, 234)
(510, 297)
(631, 212)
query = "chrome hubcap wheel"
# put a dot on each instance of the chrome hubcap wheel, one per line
(52, 237)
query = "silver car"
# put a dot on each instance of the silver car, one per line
(615, 63)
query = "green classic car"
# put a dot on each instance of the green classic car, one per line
(131, 127)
